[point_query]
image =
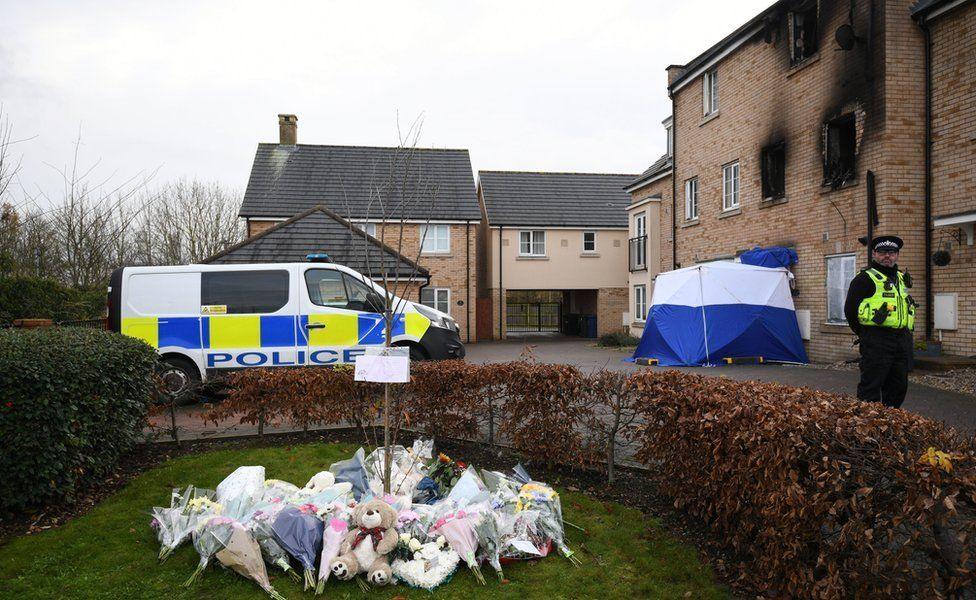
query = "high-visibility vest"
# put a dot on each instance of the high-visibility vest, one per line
(891, 296)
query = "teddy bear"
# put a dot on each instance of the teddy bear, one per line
(372, 536)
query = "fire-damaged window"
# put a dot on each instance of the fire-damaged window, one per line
(773, 165)
(803, 32)
(840, 149)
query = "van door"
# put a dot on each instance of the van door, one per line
(336, 317)
(248, 318)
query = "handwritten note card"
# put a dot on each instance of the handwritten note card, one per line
(379, 368)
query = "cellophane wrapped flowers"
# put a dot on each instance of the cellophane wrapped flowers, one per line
(175, 524)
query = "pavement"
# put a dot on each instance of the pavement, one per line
(958, 410)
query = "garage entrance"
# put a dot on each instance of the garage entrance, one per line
(550, 312)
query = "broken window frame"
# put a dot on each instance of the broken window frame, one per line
(808, 14)
(840, 149)
(773, 183)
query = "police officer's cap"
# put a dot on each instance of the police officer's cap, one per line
(887, 242)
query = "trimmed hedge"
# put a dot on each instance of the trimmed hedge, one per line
(72, 401)
(813, 495)
(817, 495)
(35, 298)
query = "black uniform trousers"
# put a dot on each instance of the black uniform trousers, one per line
(886, 359)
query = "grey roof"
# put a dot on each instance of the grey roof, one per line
(657, 167)
(320, 229)
(555, 199)
(288, 179)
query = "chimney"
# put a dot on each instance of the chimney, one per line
(288, 129)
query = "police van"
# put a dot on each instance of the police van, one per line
(206, 318)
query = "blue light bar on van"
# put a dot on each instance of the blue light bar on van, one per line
(321, 257)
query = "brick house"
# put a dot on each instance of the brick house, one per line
(650, 205)
(951, 30)
(553, 245)
(427, 193)
(795, 128)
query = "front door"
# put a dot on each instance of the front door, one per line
(335, 317)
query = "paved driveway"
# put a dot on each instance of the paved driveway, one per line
(959, 410)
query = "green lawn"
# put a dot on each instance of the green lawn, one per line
(111, 552)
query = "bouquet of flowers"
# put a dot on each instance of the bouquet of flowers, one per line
(259, 524)
(445, 472)
(519, 537)
(174, 525)
(299, 530)
(242, 555)
(429, 566)
(336, 519)
(489, 540)
(208, 539)
(276, 490)
(457, 527)
(544, 499)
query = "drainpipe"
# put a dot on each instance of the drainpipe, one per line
(674, 183)
(927, 34)
(501, 230)
(467, 274)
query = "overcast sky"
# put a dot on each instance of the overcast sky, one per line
(190, 88)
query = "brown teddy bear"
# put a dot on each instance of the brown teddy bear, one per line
(365, 547)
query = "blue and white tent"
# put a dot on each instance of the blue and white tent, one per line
(703, 314)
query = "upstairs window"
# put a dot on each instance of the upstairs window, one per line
(773, 163)
(730, 186)
(710, 92)
(691, 199)
(435, 238)
(669, 131)
(803, 32)
(589, 241)
(532, 243)
(368, 228)
(840, 148)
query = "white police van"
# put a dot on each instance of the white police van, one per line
(207, 318)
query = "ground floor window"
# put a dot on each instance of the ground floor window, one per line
(840, 272)
(436, 298)
(640, 302)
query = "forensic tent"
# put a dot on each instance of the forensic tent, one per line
(704, 314)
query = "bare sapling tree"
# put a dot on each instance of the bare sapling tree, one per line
(10, 224)
(402, 197)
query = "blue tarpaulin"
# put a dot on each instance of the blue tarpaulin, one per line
(703, 314)
(774, 256)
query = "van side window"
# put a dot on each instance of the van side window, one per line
(325, 288)
(245, 291)
(358, 293)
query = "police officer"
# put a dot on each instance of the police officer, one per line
(882, 314)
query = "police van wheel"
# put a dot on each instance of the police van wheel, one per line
(179, 379)
(417, 353)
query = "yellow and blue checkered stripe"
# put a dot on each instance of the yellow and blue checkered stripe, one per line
(269, 331)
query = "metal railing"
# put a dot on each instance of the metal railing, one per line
(533, 317)
(638, 253)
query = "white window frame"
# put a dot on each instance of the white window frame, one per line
(851, 260)
(436, 243)
(640, 302)
(367, 227)
(593, 249)
(536, 240)
(640, 230)
(710, 92)
(670, 133)
(691, 199)
(439, 291)
(731, 181)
